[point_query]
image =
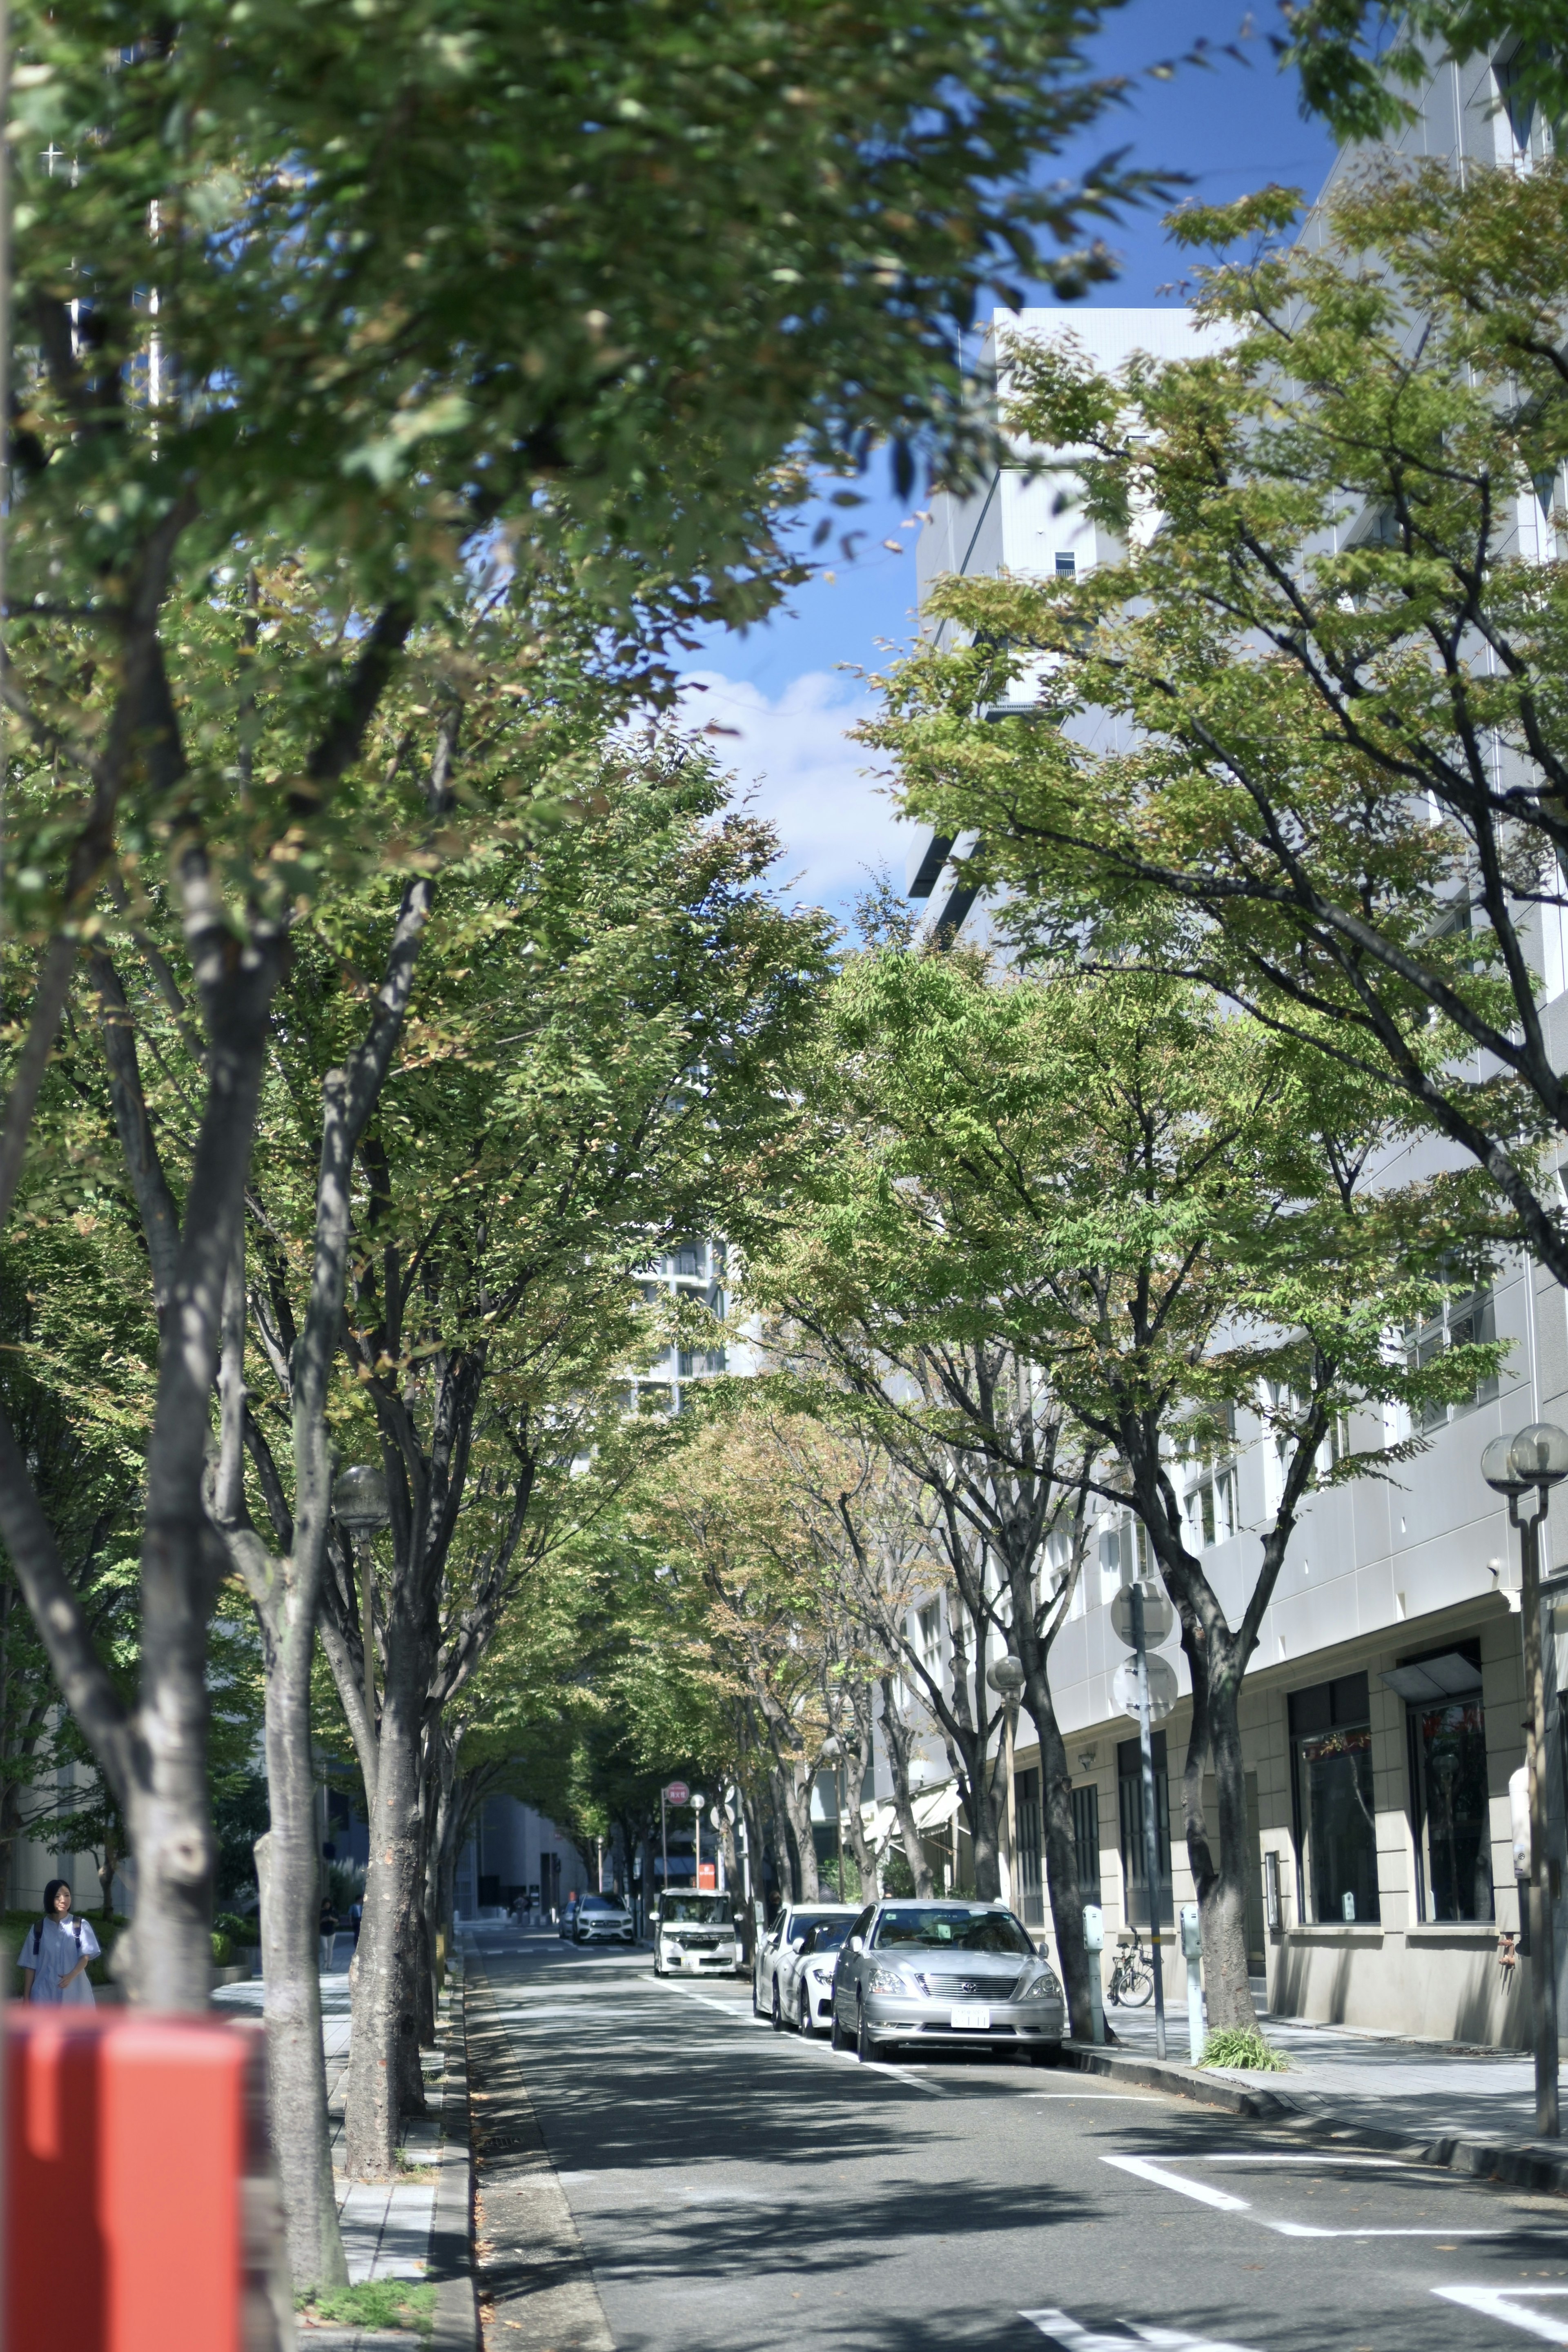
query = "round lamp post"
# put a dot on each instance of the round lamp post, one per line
(1007, 1679)
(362, 1504)
(1535, 1461)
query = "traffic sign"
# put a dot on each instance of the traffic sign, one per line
(678, 1793)
(1158, 1615)
(1162, 1688)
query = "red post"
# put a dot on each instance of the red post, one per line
(138, 2184)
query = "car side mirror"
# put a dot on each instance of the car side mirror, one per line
(856, 1942)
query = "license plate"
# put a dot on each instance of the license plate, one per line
(971, 2017)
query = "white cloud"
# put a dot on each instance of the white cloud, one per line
(836, 824)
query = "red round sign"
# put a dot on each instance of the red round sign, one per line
(677, 1793)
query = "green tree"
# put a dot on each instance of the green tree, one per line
(579, 289)
(1159, 1212)
(1305, 739)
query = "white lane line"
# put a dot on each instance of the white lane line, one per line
(1308, 2229)
(1502, 2303)
(1070, 2336)
(1144, 2168)
(1254, 2156)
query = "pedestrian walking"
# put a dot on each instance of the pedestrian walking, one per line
(55, 1954)
(329, 1926)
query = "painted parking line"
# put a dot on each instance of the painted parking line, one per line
(1143, 2167)
(1507, 2303)
(1063, 2332)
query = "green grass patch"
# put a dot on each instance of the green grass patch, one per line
(377, 2303)
(1243, 2046)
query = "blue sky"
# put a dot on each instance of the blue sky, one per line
(792, 688)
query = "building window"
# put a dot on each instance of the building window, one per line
(1450, 1811)
(1066, 565)
(1028, 1899)
(1336, 1831)
(1129, 1791)
(1124, 1555)
(931, 1639)
(1086, 1838)
(1462, 1323)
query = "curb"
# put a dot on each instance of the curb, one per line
(1536, 2164)
(457, 2319)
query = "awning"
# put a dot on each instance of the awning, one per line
(1450, 1677)
(937, 1807)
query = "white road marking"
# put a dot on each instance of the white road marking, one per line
(1071, 2337)
(1254, 2156)
(1502, 2303)
(1308, 2229)
(1146, 2169)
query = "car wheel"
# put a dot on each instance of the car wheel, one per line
(839, 2038)
(865, 2048)
(778, 2013)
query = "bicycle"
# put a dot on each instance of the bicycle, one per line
(1132, 1979)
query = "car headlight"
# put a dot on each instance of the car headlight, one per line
(893, 1980)
(1046, 1986)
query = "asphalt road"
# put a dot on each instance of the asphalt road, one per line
(737, 2190)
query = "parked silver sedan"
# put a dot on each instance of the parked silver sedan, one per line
(949, 1974)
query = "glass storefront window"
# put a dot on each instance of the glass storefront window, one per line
(1334, 1781)
(1450, 1752)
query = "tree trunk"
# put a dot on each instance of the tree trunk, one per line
(1062, 1860)
(1222, 1902)
(376, 2068)
(291, 1964)
(897, 1741)
(785, 1864)
(797, 1809)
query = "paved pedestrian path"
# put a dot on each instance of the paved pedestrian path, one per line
(1372, 2081)
(386, 2227)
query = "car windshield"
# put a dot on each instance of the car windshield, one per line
(949, 1928)
(828, 1936)
(695, 1910)
(801, 1924)
(600, 1903)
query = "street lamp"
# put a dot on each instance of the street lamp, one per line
(361, 1503)
(1538, 1458)
(1007, 1679)
(832, 1749)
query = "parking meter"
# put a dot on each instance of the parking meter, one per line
(1093, 1945)
(1192, 1952)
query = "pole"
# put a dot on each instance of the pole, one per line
(1150, 1826)
(839, 1808)
(1011, 1815)
(664, 1839)
(367, 1624)
(1542, 1959)
(697, 1826)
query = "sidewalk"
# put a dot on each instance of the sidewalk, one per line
(390, 2228)
(1468, 2110)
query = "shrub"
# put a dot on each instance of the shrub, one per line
(223, 1950)
(378, 2302)
(240, 1930)
(1243, 2046)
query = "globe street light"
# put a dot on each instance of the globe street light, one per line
(1536, 1459)
(361, 1503)
(1007, 1679)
